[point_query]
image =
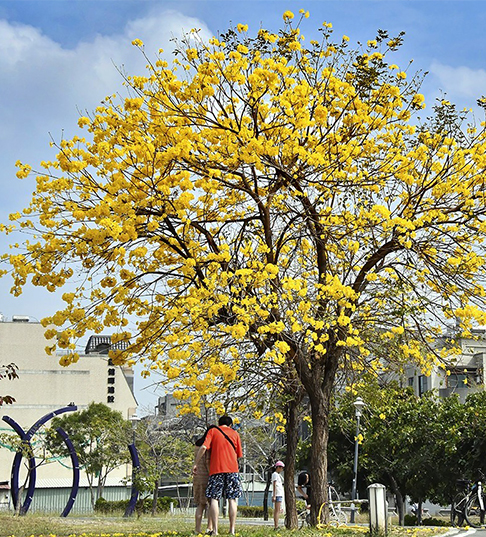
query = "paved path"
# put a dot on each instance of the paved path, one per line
(463, 532)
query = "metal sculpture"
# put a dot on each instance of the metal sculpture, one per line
(26, 437)
(14, 477)
(75, 465)
(134, 496)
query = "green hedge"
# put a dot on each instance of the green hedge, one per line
(142, 506)
(411, 520)
(252, 511)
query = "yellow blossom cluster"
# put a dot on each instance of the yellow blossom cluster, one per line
(259, 204)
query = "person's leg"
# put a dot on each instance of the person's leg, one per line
(276, 513)
(213, 515)
(199, 515)
(232, 510)
(214, 491)
(206, 513)
(232, 491)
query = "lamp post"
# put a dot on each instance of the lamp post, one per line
(134, 419)
(358, 405)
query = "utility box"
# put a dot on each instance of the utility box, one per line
(378, 509)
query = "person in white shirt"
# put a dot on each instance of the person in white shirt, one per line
(278, 492)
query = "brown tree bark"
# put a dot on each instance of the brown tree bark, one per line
(318, 381)
(155, 496)
(318, 458)
(292, 416)
(399, 500)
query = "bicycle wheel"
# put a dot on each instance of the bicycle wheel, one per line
(457, 510)
(308, 520)
(474, 514)
(304, 518)
(333, 495)
(337, 517)
(336, 514)
(342, 517)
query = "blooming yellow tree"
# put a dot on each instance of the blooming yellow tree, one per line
(268, 203)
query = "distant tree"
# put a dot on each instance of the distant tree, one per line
(100, 436)
(402, 436)
(405, 443)
(465, 458)
(163, 453)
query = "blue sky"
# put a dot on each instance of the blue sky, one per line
(58, 57)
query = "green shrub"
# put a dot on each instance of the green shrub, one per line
(100, 505)
(142, 506)
(253, 511)
(301, 505)
(163, 504)
(431, 521)
(411, 520)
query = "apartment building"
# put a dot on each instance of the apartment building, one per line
(462, 374)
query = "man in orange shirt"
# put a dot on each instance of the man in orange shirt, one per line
(225, 446)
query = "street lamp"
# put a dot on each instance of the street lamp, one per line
(358, 405)
(134, 419)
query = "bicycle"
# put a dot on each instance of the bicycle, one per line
(468, 506)
(337, 516)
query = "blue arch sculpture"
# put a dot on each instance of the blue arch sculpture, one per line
(14, 476)
(75, 465)
(134, 496)
(26, 437)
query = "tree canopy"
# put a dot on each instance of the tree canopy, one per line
(100, 437)
(162, 453)
(406, 441)
(263, 200)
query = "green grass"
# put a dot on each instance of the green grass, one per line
(167, 526)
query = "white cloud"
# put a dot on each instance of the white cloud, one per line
(44, 85)
(460, 82)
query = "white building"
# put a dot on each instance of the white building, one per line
(462, 374)
(44, 386)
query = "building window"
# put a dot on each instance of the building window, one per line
(111, 389)
(410, 381)
(462, 378)
(111, 399)
(423, 384)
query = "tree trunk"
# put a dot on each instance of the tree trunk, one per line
(419, 512)
(92, 492)
(318, 459)
(398, 500)
(292, 415)
(268, 483)
(99, 488)
(18, 505)
(400, 508)
(156, 496)
(318, 382)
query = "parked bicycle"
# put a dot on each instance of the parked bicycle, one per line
(469, 506)
(337, 516)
